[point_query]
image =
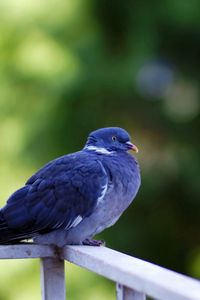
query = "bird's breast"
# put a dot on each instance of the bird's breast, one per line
(124, 182)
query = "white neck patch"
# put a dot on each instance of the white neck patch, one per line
(98, 150)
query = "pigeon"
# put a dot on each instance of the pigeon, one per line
(76, 196)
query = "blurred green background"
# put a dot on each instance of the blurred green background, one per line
(69, 67)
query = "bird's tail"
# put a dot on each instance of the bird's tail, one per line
(5, 232)
(7, 235)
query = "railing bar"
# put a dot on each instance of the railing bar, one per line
(139, 275)
(52, 279)
(125, 293)
(26, 250)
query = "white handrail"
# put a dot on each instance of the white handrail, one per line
(135, 273)
(135, 277)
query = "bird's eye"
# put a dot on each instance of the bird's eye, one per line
(114, 138)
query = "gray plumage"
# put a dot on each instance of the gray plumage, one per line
(88, 191)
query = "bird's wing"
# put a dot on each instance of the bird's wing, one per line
(61, 201)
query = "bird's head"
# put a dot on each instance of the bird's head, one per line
(109, 140)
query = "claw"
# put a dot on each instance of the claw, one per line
(97, 243)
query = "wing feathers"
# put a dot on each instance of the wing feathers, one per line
(51, 202)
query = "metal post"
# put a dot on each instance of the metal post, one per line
(125, 293)
(52, 279)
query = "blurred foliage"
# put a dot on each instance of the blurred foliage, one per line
(68, 67)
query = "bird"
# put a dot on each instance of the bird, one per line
(76, 196)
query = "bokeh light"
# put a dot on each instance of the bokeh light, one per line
(154, 79)
(182, 101)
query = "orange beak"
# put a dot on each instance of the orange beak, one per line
(132, 147)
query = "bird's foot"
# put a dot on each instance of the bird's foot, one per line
(90, 242)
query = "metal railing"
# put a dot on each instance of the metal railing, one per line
(134, 277)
